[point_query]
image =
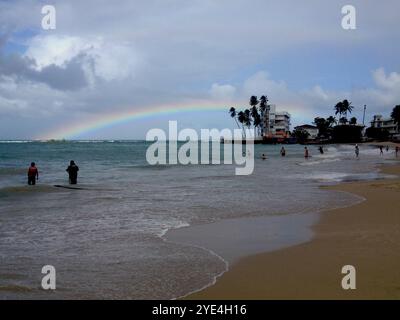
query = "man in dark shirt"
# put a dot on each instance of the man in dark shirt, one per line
(33, 174)
(73, 172)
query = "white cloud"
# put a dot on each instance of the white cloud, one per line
(318, 93)
(114, 61)
(389, 82)
(106, 60)
(222, 92)
(52, 49)
(261, 83)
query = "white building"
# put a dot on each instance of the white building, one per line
(275, 124)
(312, 130)
(385, 123)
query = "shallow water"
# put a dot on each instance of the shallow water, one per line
(107, 241)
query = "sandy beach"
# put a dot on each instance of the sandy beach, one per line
(366, 235)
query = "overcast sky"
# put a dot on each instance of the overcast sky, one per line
(113, 56)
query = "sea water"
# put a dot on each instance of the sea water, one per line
(107, 239)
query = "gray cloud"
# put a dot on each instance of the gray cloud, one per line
(69, 77)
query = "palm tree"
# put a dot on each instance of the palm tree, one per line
(263, 108)
(247, 118)
(257, 120)
(343, 120)
(232, 112)
(322, 124)
(256, 117)
(253, 101)
(331, 120)
(241, 118)
(338, 108)
(396, 114)
(347, 107)
(343, 107)
(254, 112)
(263, 104)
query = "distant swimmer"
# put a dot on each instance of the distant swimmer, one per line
(283, 152)
(263, 156)
(73, 172)
(321, 150)
(306, 153)
(381, 150)
(356, 150)
(33, 174)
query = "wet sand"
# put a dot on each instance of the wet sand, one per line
(366, 235)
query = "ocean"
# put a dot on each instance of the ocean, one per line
(114, 238)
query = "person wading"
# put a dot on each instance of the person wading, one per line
(73, 172)
(306, 153)
(33, 174)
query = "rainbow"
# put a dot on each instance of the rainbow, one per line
(75, 130)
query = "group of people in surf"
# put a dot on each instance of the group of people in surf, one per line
(396, 149)
(283, 152)
(321, 151)
(33, 173)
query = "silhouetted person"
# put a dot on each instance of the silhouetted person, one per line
(381, 149)
(321, 150)
(387, 148)
(357, 150)
(33, 174)
(283, 152)
(306, 153)
(73, 172)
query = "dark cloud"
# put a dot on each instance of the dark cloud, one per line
(70, 76)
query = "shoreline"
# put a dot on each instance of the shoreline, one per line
(232, 239)
(365, 235)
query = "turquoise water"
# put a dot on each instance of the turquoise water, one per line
(107, 240)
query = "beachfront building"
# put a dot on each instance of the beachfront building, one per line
(387, 124)
(275, 124)
(312, 130)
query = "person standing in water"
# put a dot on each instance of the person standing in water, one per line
(73, 172)
(357, 150)
(283, 152)
(321, 150)
(33, 174)
(381, 150)
(306, 153)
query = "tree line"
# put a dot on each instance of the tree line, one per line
(337, 128)
(250, 117)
